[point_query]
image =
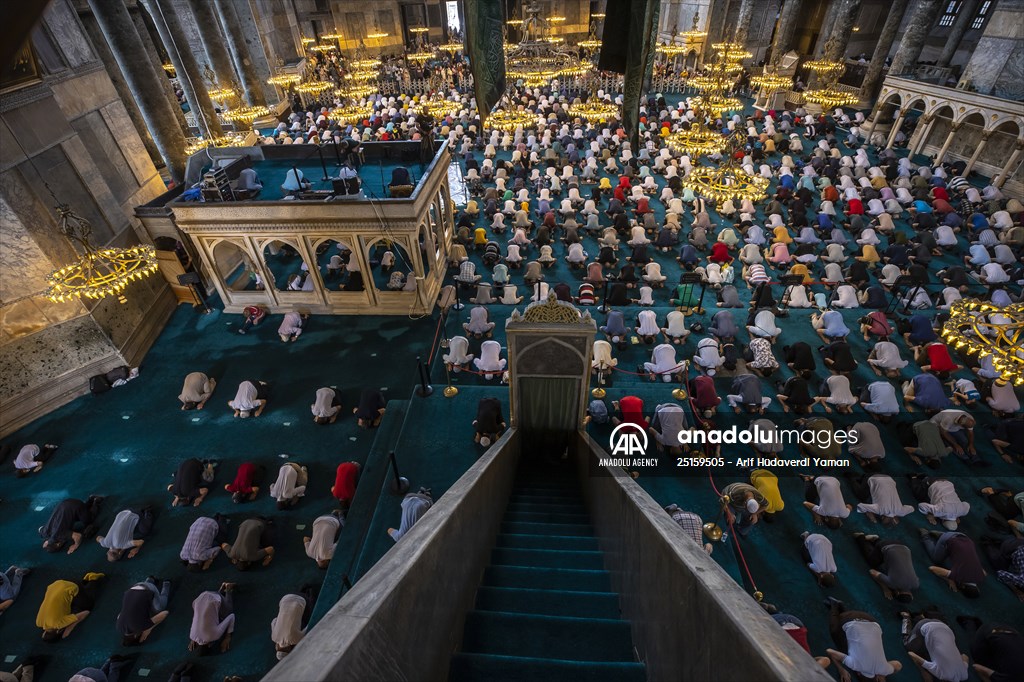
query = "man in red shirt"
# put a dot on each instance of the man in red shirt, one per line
(344, 488)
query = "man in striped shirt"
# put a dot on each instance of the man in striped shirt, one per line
(691, 524)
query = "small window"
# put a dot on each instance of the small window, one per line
(949, 16)
(979, 20)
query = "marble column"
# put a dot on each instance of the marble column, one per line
(99, 44)
(961, 25)
(146, 32)
(922, 137)
(718, 21)
(846, 16)
(168, 26)
(985, 135)
(126, 46)
(261, 62)
(826, 28)
(873, 77)
(1010, 163)
(743, 22)
(912, 41)
(895, 129)
(213, 43)
(787, 28)
(240, 52)
(953, 130)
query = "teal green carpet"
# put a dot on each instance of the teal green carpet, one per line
(545, 610)
(125, 444)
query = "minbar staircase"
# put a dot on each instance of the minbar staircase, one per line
(545, 610)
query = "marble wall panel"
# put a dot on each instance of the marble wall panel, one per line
(38, 358)
(131, 147)
(22, 262)
(60, 18)
(37, 126)
(36, 216)
(88, 92)
(83, 180)
(105, 155)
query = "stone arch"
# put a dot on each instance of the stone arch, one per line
(283, 262)
(966, 114)
(232, 263)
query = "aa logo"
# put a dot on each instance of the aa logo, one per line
(628, 440)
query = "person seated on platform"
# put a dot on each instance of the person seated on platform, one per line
(745, 507)
(955, 559)
(213, 619)
(746, 395)
(414, 506)
(143, 607)
(489, 424)
(247, 482)
(957, 429)
(370, 409)
(326, 407)
(71, 520)
(290, 485)
(663, 362)
(858, 640)
(250, 399)
(291, 327)
(66, 604)
(345, 479)
(128, 532)
(250, 181)
(938, 499)
(691, 524)
(254, 542)
(817, 556)
(202, 544)
(321, 544)
(31, 459)
(196, 390)
(879, 400)
(191, 482)
(10, 585)
(885, 498)
(824, 499)
(294, 182)
(891, 565)
(490, 361)
(479, 325)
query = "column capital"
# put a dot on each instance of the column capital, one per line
(1019, 144)
(928, 118)
(956, 126)
(986, 134)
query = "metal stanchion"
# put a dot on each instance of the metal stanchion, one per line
(449, 390)
(399, 484)
(424, 389)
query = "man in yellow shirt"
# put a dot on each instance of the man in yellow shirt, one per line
(65, 605)
(767, 484)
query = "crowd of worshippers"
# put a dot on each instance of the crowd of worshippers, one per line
(995, 647)
(248, 545)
